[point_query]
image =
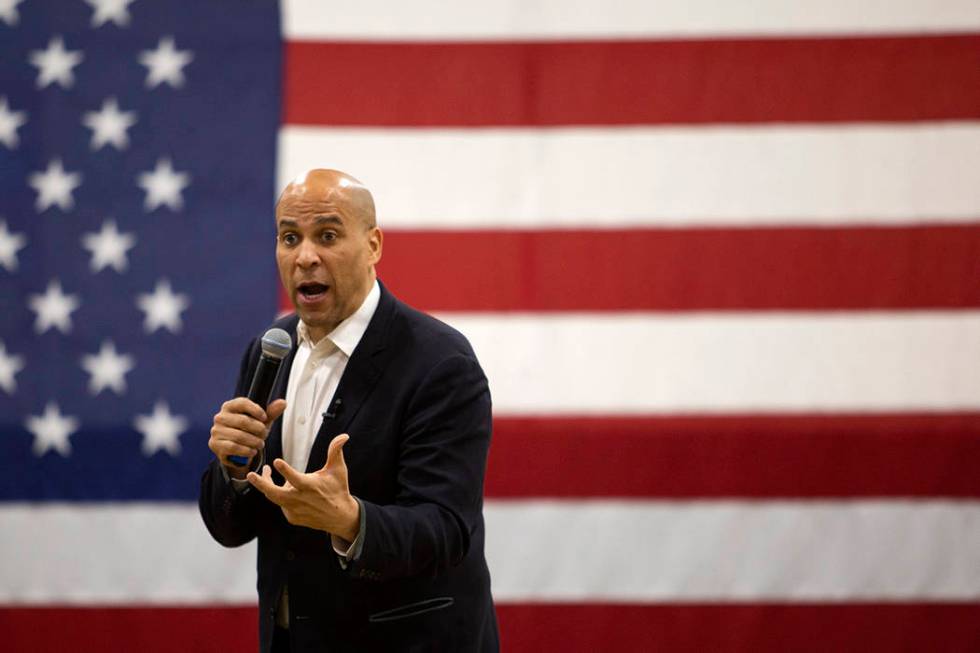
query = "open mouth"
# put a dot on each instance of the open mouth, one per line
(311, 291)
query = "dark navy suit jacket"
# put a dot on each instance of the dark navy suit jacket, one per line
(417, 407)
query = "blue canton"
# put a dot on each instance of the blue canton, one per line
(137, 166)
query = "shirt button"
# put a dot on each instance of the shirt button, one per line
(302, 420)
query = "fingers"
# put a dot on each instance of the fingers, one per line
(241, 422)
(274, 410)
(244, 405)
(335, 453)
(293, 477)
(241, 426)
(226, 441)
(266, 485)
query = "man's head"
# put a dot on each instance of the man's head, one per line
(327, 245)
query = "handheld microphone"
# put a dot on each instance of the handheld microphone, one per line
(276, 343)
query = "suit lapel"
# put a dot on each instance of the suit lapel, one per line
(360, 376)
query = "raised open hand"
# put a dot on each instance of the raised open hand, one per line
(320, 500)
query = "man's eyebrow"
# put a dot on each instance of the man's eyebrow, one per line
(318, 220)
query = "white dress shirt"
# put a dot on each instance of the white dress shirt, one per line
(314, 376)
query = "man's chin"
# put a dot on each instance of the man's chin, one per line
(317, 321)
(312, 318)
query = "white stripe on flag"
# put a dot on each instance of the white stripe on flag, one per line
(730, 550)
(727, 362)
(104, 553)
(603, 177)
(643, 551)
(566, 19)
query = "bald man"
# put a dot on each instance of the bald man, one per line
(364, 482)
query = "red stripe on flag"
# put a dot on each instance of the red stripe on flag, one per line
(754, 628)
(736, 456)
(570, 628)
(632, 82)
(686, 269)
(144, 629)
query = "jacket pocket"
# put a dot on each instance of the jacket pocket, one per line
(412, 609)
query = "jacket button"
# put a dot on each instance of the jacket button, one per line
(290, 556)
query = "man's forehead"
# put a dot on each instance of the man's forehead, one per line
(307, 204)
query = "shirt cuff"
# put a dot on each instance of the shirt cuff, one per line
(350, 551)
(240, 485)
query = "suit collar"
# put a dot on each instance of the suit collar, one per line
(360, 376)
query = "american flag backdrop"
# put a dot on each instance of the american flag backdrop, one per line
(720, 261)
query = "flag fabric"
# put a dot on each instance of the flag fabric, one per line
(720, 261)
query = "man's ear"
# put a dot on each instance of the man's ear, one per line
(375, 242)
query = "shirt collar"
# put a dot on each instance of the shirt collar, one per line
(349, 332)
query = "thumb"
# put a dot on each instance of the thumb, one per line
(335, 454)
(274, 410)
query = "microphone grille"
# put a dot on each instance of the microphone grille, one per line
(276, 343)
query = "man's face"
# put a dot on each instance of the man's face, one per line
(326, 253)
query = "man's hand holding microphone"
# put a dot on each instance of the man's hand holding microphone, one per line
(319, 500)
(239, 432)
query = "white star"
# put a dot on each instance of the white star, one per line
(108, 369)
(109, 125)
(9, 366)
(106, 10)
(51, 430)
(163, 186)
(53, 308)
(108, 247)
(55, 63)
(160, 430)
(8, 11)
(165, 64)
(10, 121)
(10, 244)
(162, 308)
(54, 186)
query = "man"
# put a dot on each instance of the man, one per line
(368, 506)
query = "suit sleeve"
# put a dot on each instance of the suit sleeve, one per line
(229, 514)
(440, 478)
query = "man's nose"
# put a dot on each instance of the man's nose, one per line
(307, 256)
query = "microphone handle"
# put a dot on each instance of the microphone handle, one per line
(261, 390)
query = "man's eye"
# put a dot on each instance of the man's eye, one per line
(289, 239)
(328, 236)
